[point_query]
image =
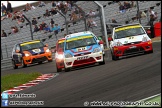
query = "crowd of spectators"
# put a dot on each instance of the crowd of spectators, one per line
(154, 14)
(125, 6)
(41, 4)
(64, 7)
(76, 13)
(3, 34)
(91, 23)
(14, 29)
(6, 9)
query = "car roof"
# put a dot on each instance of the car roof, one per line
(127, 25)
(27, 41)
(61, 39)
(78, 34)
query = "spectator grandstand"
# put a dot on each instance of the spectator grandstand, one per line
(86, 9)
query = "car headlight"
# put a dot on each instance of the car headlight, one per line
(47, 50)
(96, 50)
(68, 55)
(118, 44)
(60, 56)
(145, 39)
(27, 55)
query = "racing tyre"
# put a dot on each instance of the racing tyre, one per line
(102, 63)
(67, 69)
(23, 64)
(50, 60)
(58, 70)
(114, 57)
(13, 64)
(148, 52)
(40, 62)
(151, 51)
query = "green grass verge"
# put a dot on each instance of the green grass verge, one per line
(153, 102)
(13, 80)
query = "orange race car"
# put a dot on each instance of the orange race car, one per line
(59, 54)
(30, 52)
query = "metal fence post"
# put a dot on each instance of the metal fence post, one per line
(30, 26)
(66, 23)
(103, 22)
(138, 12)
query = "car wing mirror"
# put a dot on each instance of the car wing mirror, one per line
(100, 42)
(110, 39)
(17, 51)
(148, 32)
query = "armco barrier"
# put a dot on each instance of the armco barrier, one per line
(6, 64)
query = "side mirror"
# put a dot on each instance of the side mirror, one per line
(110, 39)
(148, 32)
(17, 51)
(46, 45)
(100, 42)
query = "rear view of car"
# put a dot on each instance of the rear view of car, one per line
(128, 40)
(81, 49)
(59, 54)
(29, 53)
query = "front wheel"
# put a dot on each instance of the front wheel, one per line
(23, 64)
(67, 69)
(50, 60)
(151, 51)
(114, 57)
(14, 65)
(58, 69)
(40, 62)
(103, 62)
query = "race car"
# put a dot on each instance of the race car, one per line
(128, 40)
(82, 48)
(59, 54)
(30, 52)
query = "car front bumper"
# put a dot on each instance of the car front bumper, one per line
(87, 59)
(132, 49)
(37, 58)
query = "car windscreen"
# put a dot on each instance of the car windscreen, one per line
(31, 45)
(129, 31)
(61, 45)
(79, 41)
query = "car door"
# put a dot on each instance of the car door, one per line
(17, 56)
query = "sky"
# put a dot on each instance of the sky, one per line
(16, 3)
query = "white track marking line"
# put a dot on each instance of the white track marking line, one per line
(150, 97)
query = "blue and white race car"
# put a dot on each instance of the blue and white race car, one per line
(81, 49)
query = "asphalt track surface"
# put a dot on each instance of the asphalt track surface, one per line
(128, 79)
